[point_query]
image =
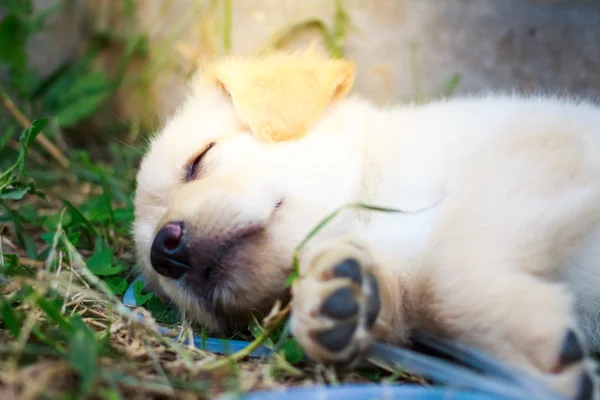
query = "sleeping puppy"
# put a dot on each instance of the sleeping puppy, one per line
(498, 245)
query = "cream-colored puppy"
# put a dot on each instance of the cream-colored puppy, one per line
(499, 246)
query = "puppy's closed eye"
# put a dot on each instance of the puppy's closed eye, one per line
(194, 166)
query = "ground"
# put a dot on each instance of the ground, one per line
(67, 178)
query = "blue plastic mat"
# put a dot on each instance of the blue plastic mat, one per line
(365, 392)
(474, 375)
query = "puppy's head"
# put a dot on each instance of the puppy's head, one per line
(237, 177)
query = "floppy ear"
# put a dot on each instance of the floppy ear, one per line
(281, 96)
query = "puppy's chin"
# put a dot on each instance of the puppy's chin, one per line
(225, 306)
(236, 316)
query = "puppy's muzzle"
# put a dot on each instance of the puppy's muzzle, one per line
(176, 250)
(169, 253)
(209, 228)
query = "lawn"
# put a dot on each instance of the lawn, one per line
(67, 178)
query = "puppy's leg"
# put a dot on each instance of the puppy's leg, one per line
(521, 319)
(492, 280)
(341, 303)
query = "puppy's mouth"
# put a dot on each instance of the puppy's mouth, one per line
(234, 317)
(213, 276)
(232, 296)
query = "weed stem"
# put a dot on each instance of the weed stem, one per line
(246, 351)
(25, 122)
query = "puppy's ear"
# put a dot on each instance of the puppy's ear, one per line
(280, 96)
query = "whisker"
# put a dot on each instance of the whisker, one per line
(126, 144)
(126, 123)
(137, 132)
(158, 113)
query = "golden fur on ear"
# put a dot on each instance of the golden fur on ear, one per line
(280, 96)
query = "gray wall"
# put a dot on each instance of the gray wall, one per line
(400, 46)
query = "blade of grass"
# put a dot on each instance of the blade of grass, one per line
(255, 344)
(296, 257)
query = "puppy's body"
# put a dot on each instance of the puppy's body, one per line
(499, 245)
(520, 173)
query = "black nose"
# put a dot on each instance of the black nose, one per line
(169, 251)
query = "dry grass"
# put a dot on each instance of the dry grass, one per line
(133, 360)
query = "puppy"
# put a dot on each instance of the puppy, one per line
(498, 244)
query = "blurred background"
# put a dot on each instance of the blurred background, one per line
(98, 62)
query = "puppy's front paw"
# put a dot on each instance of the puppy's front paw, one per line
(335, 305)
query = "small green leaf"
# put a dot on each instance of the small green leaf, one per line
(16, 194)
(162, 313)
(10, 260)
(73, 237)
(116, 284)
(77, 111)
(78, 217)
(17, 190)
(124, 214)
(102, 263)
(51, 222)
(53, 312)
(10, 319)
(79, 93)
(110, 394)
(374, 376)
(48, 237)
(27, 137)
(17, 225)
(29, 212)
(292, 351)
(83, 353)
(99, 244)
(140, 298)
(12, 267)
(30, 246)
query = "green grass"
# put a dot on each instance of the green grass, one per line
(66, 253)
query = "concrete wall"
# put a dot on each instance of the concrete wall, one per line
(401, 47)
(64, 36)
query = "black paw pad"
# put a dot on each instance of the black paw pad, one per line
(340, 304)
(336, 339)
(571, 350)
(349, 268)
(586, 388)
(373, 301)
